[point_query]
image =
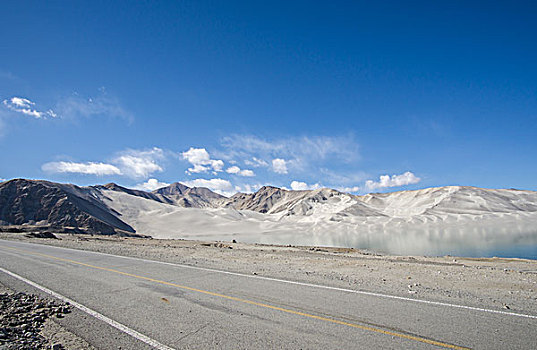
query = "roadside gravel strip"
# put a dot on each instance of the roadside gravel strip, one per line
(27, 322)
(21, 318)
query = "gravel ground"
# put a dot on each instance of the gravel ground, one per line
(27, 322)
(495, 283)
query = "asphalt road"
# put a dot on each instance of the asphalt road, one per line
(138, 304)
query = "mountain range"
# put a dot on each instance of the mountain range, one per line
(270, 215)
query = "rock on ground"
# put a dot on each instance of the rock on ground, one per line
(26, 322)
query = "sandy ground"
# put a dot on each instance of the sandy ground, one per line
(495, 283)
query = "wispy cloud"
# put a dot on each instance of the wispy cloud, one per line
(201, 161)
(90, 168)
(71, 107)
(26, 107)
(301, 151)
(256, 162)
(343, 178)
(9, 76)
(392, 181)
(151, 185)
(279, 166)
(279, 158)
(102, 105)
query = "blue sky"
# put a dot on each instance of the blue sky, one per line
(237, 94)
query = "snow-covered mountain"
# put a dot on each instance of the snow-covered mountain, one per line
(274, 215)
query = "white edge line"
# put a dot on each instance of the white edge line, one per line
(388, 296)
(352, 291)
(93, 313)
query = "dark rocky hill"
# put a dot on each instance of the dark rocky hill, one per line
(44, 203)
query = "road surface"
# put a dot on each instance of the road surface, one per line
(139, 304)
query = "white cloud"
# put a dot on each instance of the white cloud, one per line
(217, 165)
(297, 155)
(201, 160)
(151, 185)
(132, 163)
(233, 170)
(71, 107)
(347, 179)
(349, 189)
(221, 186)
(279, 166)
(197, 169)
(197, 156)
(89, 168)
(102, 105)
(256, 162)
(21, 102)
(139, 163)
(236, 170)
(393, 181)
(247, 173)
(26, 107)
(302, 186)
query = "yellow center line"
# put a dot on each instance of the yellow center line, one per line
(251, 302)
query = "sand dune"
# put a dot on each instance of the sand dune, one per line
(434, 221)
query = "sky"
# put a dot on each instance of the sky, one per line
(233, 95)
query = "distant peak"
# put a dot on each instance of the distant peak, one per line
(115, 187)
(111, 185)
(270, 188)
(174, 188)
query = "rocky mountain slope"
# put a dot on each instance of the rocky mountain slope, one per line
(43, 203)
